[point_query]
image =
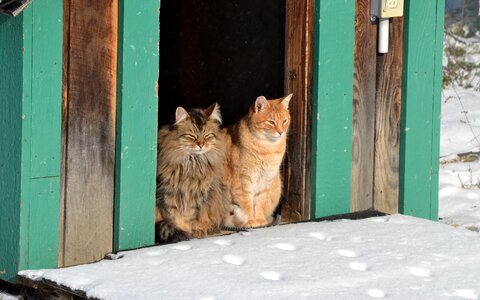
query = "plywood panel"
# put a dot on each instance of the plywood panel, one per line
(298, 80)
(363, 108)
(387, 116)
(90, 132)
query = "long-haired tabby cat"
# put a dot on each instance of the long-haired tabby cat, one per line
(190, 197)
(255, 149)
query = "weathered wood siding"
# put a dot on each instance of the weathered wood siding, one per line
(387, 122)
(298, 80)
(376, 115)
(363, 119)
(89, 109)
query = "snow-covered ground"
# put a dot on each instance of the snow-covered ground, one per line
(394, 257)
(460, 180)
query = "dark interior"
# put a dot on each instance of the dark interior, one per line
(225, 51)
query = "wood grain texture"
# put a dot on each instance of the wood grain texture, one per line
(332, 107)
(387, 120)
(90, 146)
(65, 68)
(46, 289)
(298, 80)
(363, 121)
(136, 154)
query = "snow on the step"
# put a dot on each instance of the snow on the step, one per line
(394, 257)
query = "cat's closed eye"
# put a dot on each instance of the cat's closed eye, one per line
(189, 137)
(272, 122)
(209, 136)
(285, 122)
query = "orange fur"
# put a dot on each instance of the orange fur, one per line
(255, 147)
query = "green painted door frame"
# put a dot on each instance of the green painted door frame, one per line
(137, 113)
(421, 103)
(30, 124)
(332, 107)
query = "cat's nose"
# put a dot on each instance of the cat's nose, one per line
(200, 144)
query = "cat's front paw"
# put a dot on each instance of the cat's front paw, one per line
(165, 232)
(199, 233)
(235, 218)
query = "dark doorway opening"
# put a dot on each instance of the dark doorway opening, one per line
(228, 51)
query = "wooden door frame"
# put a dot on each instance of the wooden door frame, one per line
(299, 28)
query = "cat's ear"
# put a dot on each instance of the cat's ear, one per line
(180, 115)
(213, 113)
(260, 104)
(286, 100)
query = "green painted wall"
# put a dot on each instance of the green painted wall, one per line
(10, 142)
(137, 113)
(421, 101)
(332, 106)
(30, 123)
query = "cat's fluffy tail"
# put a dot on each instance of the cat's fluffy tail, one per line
(166, 232)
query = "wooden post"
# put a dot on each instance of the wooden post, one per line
(137, 102)
(89, 89)
(387, 122)
(421, 101)
(30, 125)
(298, 80)
(363, 108)
(332, 107)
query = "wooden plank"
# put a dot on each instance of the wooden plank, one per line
(137, 124)
(31, 52)
(332, 107)
(387, 116)
(420, 121)
(11, 32)
(46, 289)
(90, 152)
(436, 111)
(363, 124)
(46, 110)
(65, 68)
(298, 80)
(42, 189)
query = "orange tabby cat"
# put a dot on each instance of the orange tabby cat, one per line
(255, 147)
